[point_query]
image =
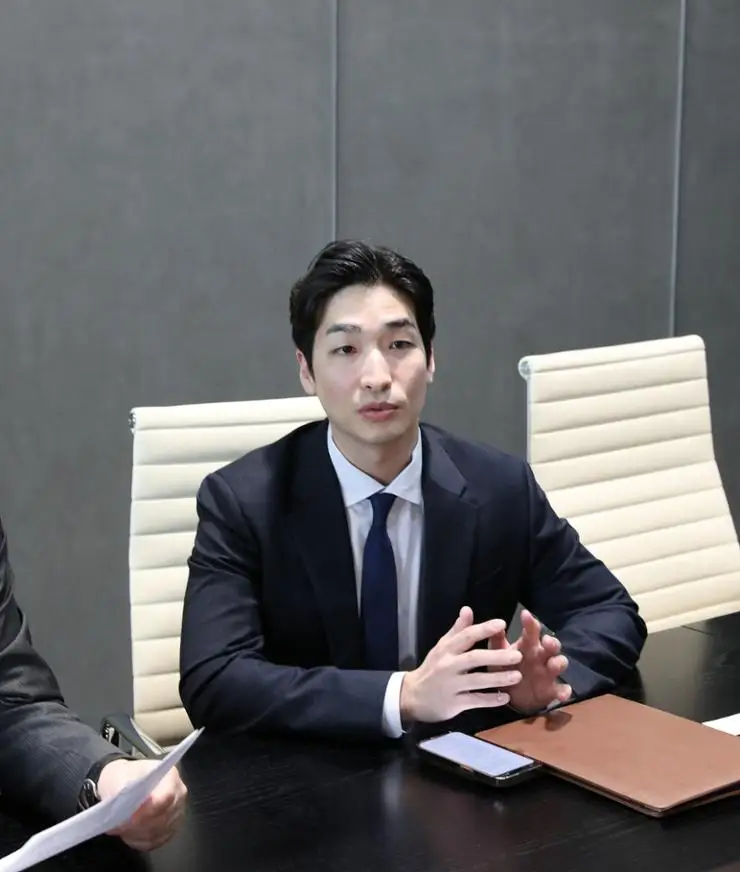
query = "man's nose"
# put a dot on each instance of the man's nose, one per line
(376, 374)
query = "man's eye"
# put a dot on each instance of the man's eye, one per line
(343, 350)
(402, 343)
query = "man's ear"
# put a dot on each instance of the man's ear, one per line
(304, 374)
(431, 366)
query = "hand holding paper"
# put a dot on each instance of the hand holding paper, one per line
(155, 822)
(113, 814)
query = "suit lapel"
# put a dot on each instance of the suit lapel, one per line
(449, 539)
(319, 524)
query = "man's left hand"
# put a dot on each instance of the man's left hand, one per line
(156, 821)
(541, 667)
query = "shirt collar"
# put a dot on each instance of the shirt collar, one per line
(357, 486)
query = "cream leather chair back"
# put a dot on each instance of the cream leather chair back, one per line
(620, 439)
(174, 449)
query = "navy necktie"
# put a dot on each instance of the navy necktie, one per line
(379, 601)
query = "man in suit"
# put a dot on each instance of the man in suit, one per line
(51, 761)
(358, 576)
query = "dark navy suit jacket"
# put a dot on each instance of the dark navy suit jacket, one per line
(271, 636)
(45, 751)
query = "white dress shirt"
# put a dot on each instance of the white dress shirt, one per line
(405, 527)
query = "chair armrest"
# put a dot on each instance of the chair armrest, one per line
(119, 726)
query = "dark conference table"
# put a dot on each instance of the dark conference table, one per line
(260, 804)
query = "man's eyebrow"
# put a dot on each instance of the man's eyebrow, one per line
(394, 324)
(400, 324)
(343, 328)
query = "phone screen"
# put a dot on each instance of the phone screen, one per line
(483, 757)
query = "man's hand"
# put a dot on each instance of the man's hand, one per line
(156, 821)
(541, 667)
(443, 686)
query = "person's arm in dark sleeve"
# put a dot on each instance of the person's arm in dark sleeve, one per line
(45, 751)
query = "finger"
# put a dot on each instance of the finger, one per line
(134, 821)
(152, 811)
(488, 658)
(145, 838)
(534, 655)
(464, 619)
(482, 700)
(166, 794)
(551, 645)
(557, 665)
(147, 843)
(498, 642)
(178, 814)
(144, 841)
(556, 691)
(489, 680)
(531, 629)
(466, 638)
(163, 798)
(155, 815)
(528, 620)
(143, 809)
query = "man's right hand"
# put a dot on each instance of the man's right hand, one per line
(443, 686)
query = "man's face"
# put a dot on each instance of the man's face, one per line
(370, 370)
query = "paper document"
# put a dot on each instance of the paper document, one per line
(99, 819)
(730, 724)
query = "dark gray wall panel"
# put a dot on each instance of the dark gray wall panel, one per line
(708, 294)
(522, 153)
(165, 173)
(167, 168)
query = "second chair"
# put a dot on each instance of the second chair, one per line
(174, 448)
(620, 439)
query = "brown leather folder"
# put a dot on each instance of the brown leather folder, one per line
(652, 761)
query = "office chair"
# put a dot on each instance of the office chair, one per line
(620, 439)
(174, 448)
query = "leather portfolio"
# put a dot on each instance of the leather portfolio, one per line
(652, 761)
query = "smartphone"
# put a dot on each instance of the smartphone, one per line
(479, 759)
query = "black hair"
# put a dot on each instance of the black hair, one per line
(349, 262)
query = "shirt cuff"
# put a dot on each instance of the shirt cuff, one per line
(392, 726)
